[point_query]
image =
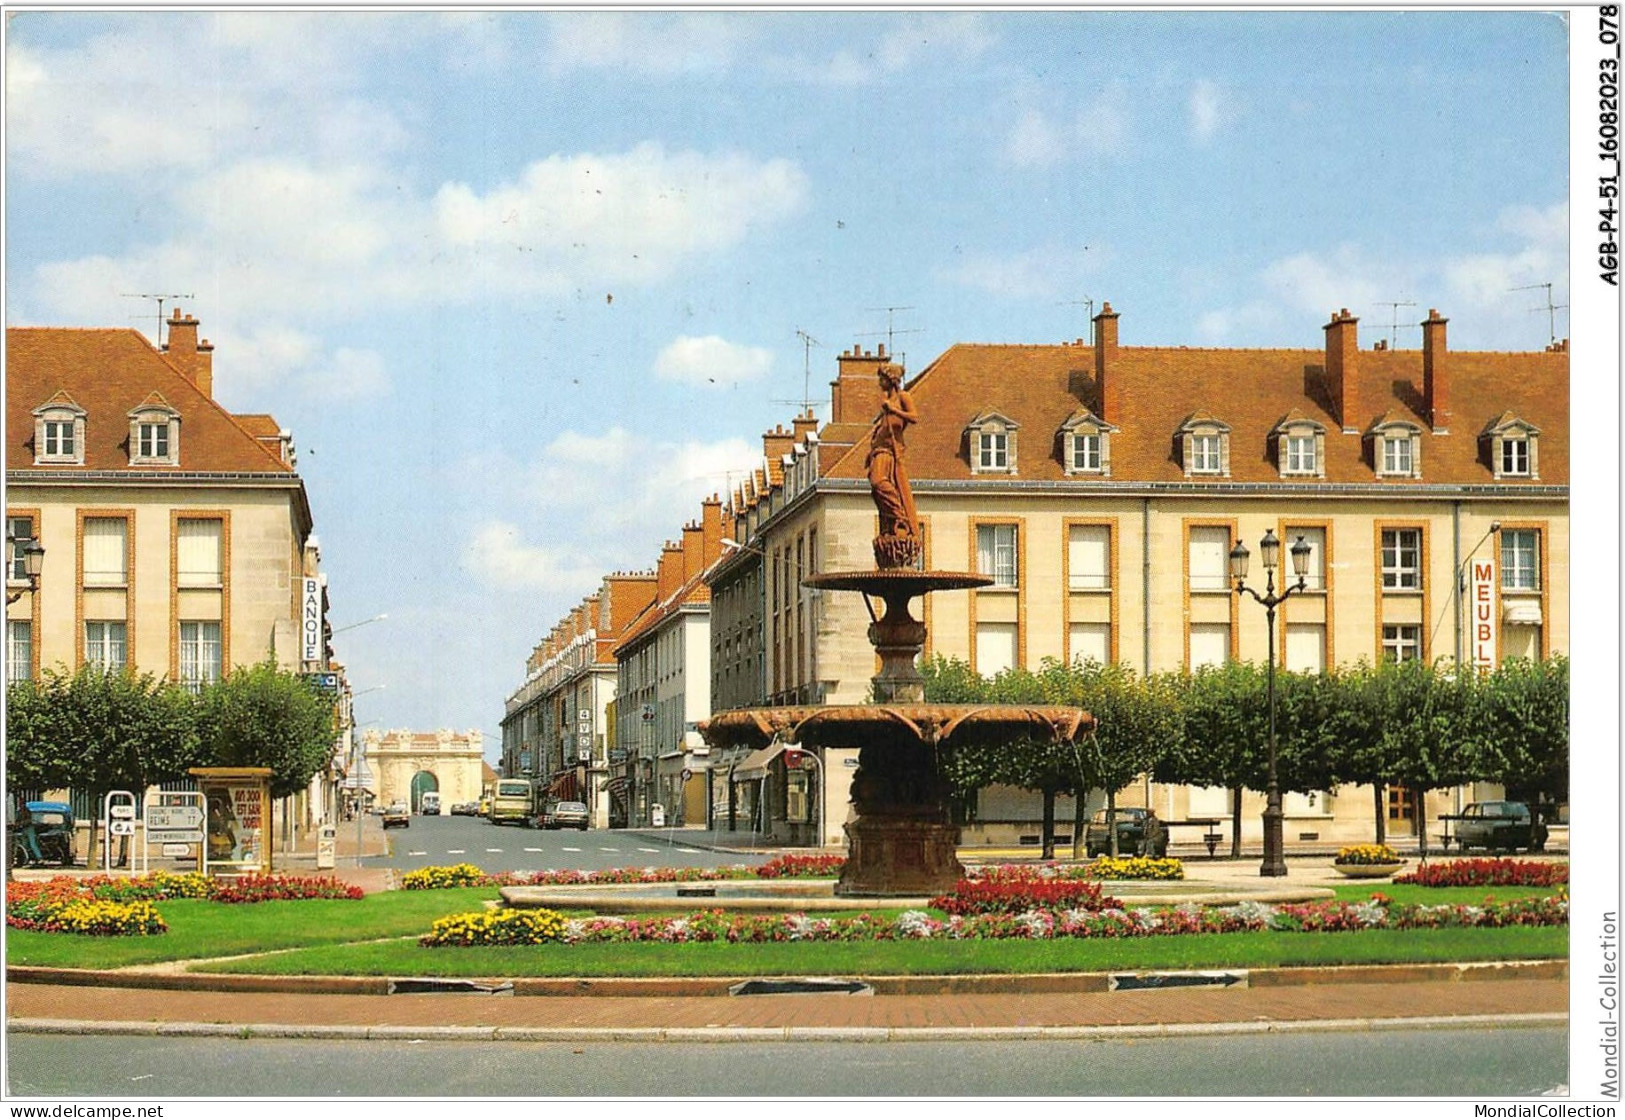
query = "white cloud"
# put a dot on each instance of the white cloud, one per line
(711, 360)
(1099, 128)
(1210, 110)
(1034, 141)
(647, 43)
(936, 38)
(614, 495)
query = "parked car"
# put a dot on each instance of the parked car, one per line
(396, 815)
(1501, 826)
(564, 814)
(1139, 833)
(463, 808)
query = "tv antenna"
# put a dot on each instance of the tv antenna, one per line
(1551, 308)
(891, 328)
(161, 298)
(807, 343)
(1394, 305)
(1089, 309)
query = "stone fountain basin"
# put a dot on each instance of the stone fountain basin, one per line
(807, 896)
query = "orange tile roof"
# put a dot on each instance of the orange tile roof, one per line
(1040, 387)
(108, 372)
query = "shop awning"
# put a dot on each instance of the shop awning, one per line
(753, 767)
(1524, 612)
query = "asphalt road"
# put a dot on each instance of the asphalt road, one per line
(1486, 1064)
(439, 841)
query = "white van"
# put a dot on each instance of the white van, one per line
(429, 805)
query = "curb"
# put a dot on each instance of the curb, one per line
(771, 1034)
(684, 987)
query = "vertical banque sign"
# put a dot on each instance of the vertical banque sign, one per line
(1481, 590)
(237, 817)
(310, 619)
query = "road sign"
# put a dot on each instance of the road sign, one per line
(120, 827)
(176, 838)
(173, 850)
(648, 713)
(167, 818)
(124, 811)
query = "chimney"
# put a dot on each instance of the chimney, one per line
(804, 425)
(1108, 383)
(855, 392)
(775, 446)
(669, 572)
(195, 360)
(693, 550)
(1435, 372)
(712, 525)
(1342, 371)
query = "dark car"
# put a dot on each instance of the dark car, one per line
(1500, 826)
(565, 814)
(396, 815)
(1139, 833)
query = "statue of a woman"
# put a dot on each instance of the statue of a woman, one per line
(898, 545)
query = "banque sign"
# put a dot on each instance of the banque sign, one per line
(310, 621)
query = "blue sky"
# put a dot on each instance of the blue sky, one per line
(526, 286)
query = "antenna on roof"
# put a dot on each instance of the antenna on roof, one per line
(1551, 308)
(892, 329)
(160, 299)
(1393, 335)
(1089, 308)
(807, 343)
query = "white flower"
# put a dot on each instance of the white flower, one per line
(916, 923)
(1370, 913)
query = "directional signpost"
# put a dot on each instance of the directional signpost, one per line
(175, 824)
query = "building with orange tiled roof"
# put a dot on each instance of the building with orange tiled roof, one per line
(559, 724)
(664, 684)
(1103, 486)
(178, 536)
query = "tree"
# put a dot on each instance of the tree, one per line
(98, 731)
(1226, 721)
(263, 716)
(1428, 737)
(1521, 718)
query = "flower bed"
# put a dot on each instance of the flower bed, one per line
(1005, 894)
(1366, 855)
(103, 905)
(1135, 867)
(1488, 873)
(495, 927)
(1110, 922)
(467, 875)
(802, 867)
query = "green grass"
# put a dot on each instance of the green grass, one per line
(900, 958)
(200, 929)
(1438, 896)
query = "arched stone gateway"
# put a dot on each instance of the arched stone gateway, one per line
(423, 782)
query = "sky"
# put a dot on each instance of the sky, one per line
(526, 286)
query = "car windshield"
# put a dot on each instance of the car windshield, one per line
(512, 789)
(572, 807)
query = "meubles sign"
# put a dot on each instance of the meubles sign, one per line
(1481, 590)
(310, 621)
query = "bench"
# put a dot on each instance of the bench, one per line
(1211, 836)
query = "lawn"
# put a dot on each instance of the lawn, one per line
(377, 935)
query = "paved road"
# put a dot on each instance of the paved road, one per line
(438, 841)
(1492, 1062)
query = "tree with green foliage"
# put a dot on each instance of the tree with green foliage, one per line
(1521, 718)
(265, 716)
(1225, 717)
(1428, 737)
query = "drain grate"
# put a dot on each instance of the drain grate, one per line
(431, 984)
(805, 985)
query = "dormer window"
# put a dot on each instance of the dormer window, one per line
(992, 444)
(1300, 446)
(1205, 444)
(1396, 449)
(1086, 444)
(59, 432)
(1512, 446)
(155, 430)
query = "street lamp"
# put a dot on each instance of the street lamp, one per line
(1269, 550)
(363, 622)
(33, 563)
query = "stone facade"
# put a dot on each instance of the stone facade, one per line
(453, 761)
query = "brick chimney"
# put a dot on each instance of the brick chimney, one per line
(693, 550)
(712, 526)
(629, 593)
(193, 358)
(855, 392)
(1108, 382)
(804, 425)
(1436, 372)
(669, 572)
(775, 446)
(1342, 372)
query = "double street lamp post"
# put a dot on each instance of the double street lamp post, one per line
(1269, 549)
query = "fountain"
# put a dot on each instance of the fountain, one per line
(903, 839)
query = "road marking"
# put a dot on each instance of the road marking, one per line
(655, 850)
(689, 851)
(493, 849)
(454, 851)
(609, 849)
(533, 849)
(417, 853)
(572, 849)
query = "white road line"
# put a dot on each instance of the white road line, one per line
(609, 849)
(689, 851)
(493, 849)
(454, 851)
(572, 849)
(533, 849)
(655, 850)
(417, 853)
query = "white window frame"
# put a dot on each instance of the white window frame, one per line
(98, 577)
(993, 451)
(1086, 452)
(214, 576)
(110, 636)
(1401, 641)
(19, 531)
(199, 654)
(1397, 575)
(1000, 555)
(1522, 547)
(1515, 457)
(1300, 454)
(19, 649)
(1207, 453)
(59, 435)
(153, 438)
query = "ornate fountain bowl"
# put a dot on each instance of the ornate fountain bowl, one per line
(906, 582)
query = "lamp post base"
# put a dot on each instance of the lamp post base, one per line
(1274, 865)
